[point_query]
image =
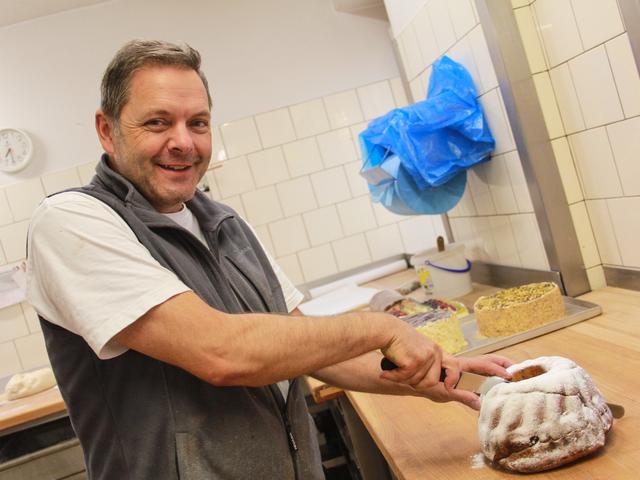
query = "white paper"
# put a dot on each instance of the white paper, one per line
(341, 300)
(13, 285)
(361, 277)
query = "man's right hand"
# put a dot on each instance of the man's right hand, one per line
(418, 358)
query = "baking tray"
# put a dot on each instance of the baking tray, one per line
(576, 311)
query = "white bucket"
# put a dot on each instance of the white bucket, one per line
(444, 274)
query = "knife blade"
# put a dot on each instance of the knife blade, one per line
(471, 382)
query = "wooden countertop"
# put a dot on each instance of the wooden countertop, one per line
(421, 439)
(27, 411)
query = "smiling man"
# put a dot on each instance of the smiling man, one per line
(167, 324)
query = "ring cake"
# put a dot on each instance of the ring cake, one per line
(517, 309)
(550, 414)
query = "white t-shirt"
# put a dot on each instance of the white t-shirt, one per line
(88, 273)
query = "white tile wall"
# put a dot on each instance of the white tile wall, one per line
(597, 20)
(12, 323)
(384, 242)
(595, 88)
(567, 170)
(268, 166)
(351, 252)
(357, 183)
(625, 73)
(13, 239)
(376, 99)
(323, 225)
(493, 108)
(399, 94)
(604, 232)
(291, 268)
(549, 105)
(262, 206)
(32, 351)
(343, 109)
(240, 137)
(567, 98)
(625, 143)
(317, 262)
(309, 118)
(584, 232)
(9, 360)
(559, 30)
(418, 233)
(234, 177)
(595, 163)
(330, 186)
(505, 241)
(275, 127)
(487, 73)
(625, 218)
(5, 213)
(426, 38)
(303, 157)
(336, 147)
(527, 237)
(356, 215)
(58, 181)
(462, 16)
(478, 184)
(24, 197)
(86, 172)
(441, 23)
(410, 51)
(497, 178)
(288, 235)
(296, 196)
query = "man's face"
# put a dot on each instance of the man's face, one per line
(163, 143)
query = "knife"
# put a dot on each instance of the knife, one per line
(479, 384)
(472, 382)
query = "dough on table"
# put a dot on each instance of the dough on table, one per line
(29, 383)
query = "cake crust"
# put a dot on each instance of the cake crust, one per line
(518, 309)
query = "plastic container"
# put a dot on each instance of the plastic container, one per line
(444, 274)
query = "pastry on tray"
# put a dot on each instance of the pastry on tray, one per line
(518, 309)
(437, 319)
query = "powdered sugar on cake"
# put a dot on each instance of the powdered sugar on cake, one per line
(537, 423)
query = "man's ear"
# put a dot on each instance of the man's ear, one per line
(104, 128)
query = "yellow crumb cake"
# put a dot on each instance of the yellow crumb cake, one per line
(518, 309)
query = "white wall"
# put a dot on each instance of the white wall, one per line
(258, 56)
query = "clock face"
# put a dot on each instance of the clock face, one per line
(15, 149)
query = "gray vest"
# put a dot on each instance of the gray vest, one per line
(140, 418)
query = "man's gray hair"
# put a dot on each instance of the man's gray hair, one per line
(135, 55)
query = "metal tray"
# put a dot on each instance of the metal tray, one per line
(576, 311)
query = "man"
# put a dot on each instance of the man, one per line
(164, 320)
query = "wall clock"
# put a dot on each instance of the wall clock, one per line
(16, 149)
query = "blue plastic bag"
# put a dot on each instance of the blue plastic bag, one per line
(435, 140)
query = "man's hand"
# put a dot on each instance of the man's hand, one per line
(418, 358)
(489, 365)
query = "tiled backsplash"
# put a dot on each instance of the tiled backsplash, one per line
(292, 173)
(494, 218)
(589, 89)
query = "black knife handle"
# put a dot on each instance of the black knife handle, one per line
(386, 364)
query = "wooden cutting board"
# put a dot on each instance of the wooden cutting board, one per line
(27, 409)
